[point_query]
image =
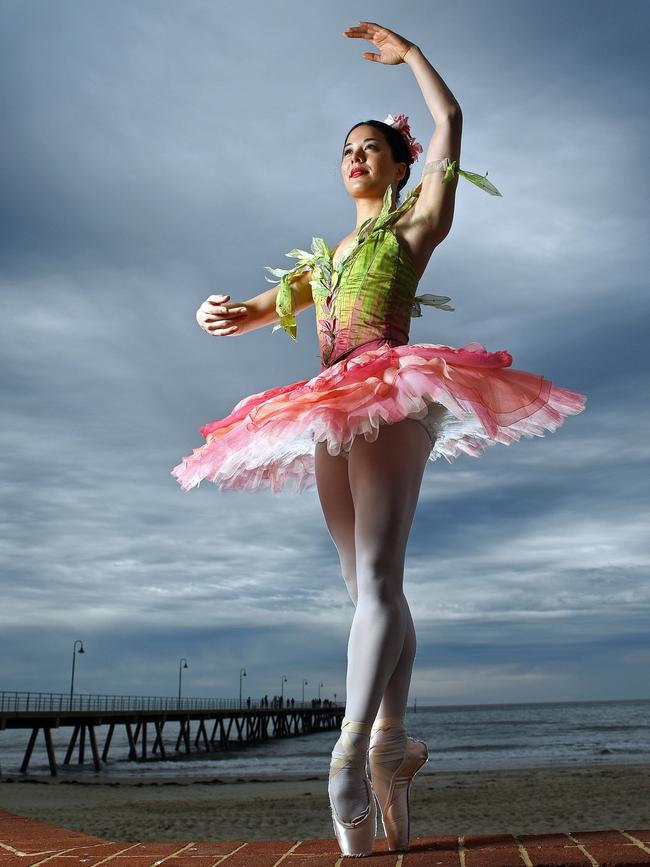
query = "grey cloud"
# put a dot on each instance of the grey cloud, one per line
(153, 154)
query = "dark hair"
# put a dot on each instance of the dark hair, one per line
(398, 147)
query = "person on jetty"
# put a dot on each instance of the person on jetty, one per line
(363, 429)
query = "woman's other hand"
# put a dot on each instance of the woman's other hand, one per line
(392, 46)
(220, 319)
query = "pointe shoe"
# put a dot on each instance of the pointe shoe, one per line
(355, 838)
(391, 788)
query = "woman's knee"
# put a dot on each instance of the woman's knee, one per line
(380, 580)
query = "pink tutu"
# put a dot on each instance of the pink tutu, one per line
(268, 439)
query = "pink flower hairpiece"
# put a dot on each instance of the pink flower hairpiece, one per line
(401, 122)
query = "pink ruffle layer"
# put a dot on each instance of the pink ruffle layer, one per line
(268, 439)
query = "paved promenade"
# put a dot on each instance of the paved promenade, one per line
(28, 843)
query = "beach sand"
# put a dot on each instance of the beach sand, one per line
(468, 802)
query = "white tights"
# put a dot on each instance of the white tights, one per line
(369, 501)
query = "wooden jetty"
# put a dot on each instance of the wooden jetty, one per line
(220, 724)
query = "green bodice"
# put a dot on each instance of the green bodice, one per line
(370, 294)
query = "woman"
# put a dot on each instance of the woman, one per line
(364, 428)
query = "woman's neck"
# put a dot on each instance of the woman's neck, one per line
(368, 208)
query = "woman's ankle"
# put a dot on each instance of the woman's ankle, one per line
(387, 744)
(382, 723)
(347, 779)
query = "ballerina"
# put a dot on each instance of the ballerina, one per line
(363, 429)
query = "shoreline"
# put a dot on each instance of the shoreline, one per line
(258, 807)
(187, 779)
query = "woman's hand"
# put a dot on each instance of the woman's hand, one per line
(392, 47)
(216, 318)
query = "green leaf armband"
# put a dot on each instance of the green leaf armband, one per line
(284, 308)
(284, 305)
(452, 171)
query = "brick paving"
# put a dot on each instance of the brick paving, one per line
(28, 842)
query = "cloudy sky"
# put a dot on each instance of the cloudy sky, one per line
(153, 153)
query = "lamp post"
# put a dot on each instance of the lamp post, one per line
(181, 666)
(320, 683)
(242, 673)
(283, 680)
(303, 691)
(74, 651)
(334, 699)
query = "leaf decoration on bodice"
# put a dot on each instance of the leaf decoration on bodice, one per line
(439, 301)
(318, 262)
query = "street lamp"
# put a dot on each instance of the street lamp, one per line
(303, 691)
(283, 680)
(181, 666)
(319, 686)
(242, 673)
(74, 650)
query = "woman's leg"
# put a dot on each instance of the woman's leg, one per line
(333, 483)
(389, 469)
(385, 479)
(338, 508)
(336, 500)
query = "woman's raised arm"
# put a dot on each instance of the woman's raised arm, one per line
(433, 212)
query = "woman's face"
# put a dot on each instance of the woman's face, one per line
(367, 151)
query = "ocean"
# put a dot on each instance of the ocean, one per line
(459, 737)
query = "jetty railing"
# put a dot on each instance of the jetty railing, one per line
(16, 701)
